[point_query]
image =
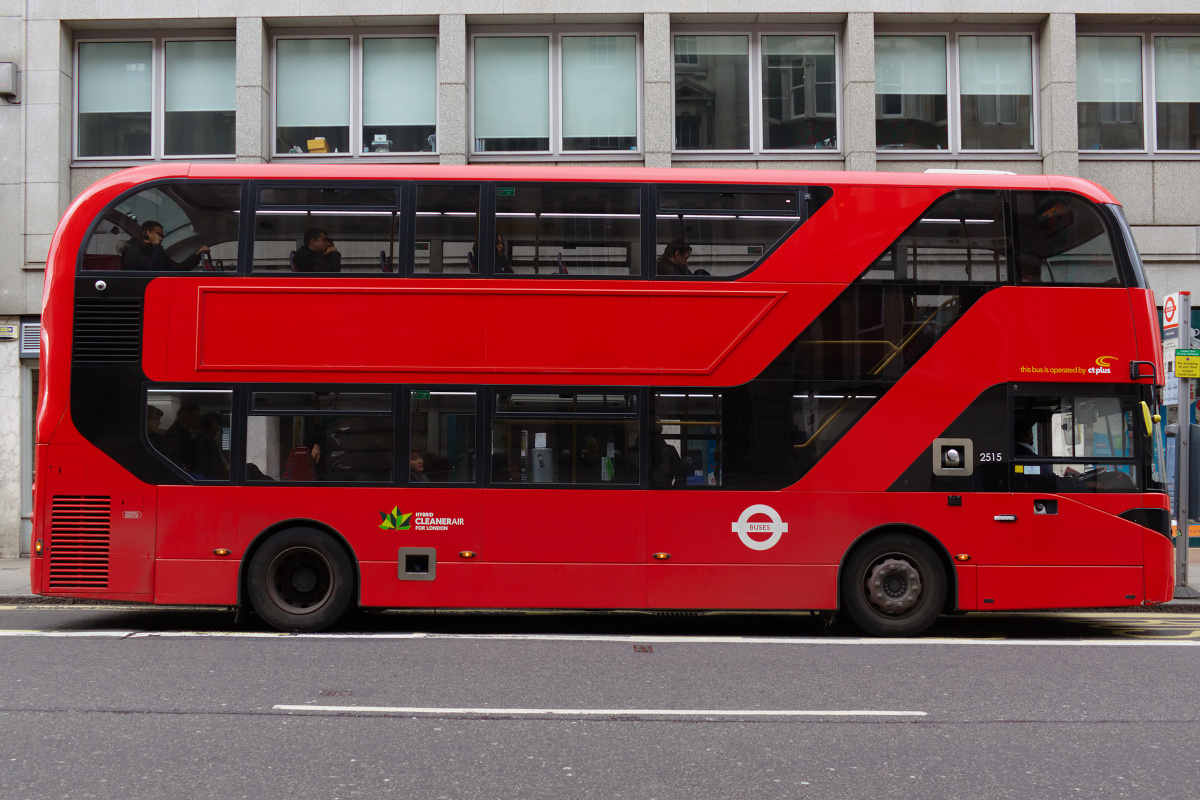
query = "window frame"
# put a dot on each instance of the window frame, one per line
(158, 102)
(1123, 394)
(489, 394)
(1146, 63)
(954, 149)
(1148, 34)
(355, 36)
(554, 36)
(404, 432)
(754, 58)
(244, 409)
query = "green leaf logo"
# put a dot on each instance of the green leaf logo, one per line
(395, 521)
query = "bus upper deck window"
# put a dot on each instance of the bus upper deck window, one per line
(1062, 239)
(172, 227)
(722, 231)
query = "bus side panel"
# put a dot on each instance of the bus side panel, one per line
(575, 330)
(196, 582)
(1160, 567)
(193, 521)
(1145, 324)
(968, 580)
(847, 233)
(1059, 587)
(699, 527)
(1048, 353)
(759, 586)
(533, 526)
(98, 527)
(1012, 531)
(482, 585)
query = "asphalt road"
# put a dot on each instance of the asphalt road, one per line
(112, 702)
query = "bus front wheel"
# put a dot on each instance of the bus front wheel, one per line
(893, 585)
(300, 580)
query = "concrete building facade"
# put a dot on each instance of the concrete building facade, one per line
(1108, 90)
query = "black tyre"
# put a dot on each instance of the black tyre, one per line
(893, 585)
(300, 580)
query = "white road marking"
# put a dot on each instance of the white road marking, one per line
(542, 637)
(600, 712)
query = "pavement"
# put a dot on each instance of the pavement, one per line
(14, 583)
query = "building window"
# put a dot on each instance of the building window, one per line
(715, 90)
(1177, 92)
(1109, 85)
(996, 92)
(724, 103)
(312, 96)
(155, 99)
(799, 104)
(555, 93)
(323, 105)
(910, 93)
(986, 104)
(1115, 71)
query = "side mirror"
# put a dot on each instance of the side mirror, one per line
(1149, 419)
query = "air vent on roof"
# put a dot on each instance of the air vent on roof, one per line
(108, 331)
(79, 542)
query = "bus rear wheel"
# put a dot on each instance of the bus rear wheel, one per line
(893, 585)
(300, 580)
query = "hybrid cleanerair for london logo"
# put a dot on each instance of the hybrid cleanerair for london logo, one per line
(397, 520)
(744, 527)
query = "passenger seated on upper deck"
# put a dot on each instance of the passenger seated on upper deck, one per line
(146, 252)
(318, 253)
(674, 259)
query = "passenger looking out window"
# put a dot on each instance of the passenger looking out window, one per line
(319, 254)
(145, 252)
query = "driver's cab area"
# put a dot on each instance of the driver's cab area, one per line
(1078, 443)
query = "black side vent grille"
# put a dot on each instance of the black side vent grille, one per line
(108, 331)
(79, 542)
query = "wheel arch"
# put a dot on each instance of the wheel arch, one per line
(943, 555)
(289, 524)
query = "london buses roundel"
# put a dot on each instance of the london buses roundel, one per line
(744, 527)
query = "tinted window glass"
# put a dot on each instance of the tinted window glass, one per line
(191, 216)
(1061, 238)
(580, 230)
(190, 428)
(318, 196)
(565, 439)
(1075, 444)
(686, 448)
(305, 402)
(720, 232)
(963, 237)
(763, 435)
(319, 241)
(446, 227)
(441, 437)
(352, 448)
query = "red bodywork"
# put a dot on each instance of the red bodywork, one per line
(578, 548)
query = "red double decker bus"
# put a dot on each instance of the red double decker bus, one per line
(302, 389)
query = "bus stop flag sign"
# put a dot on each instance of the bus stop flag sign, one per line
(1187, 363)
(1171, 317)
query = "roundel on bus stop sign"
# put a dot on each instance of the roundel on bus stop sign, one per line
(774, 526)
(1170, 312)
